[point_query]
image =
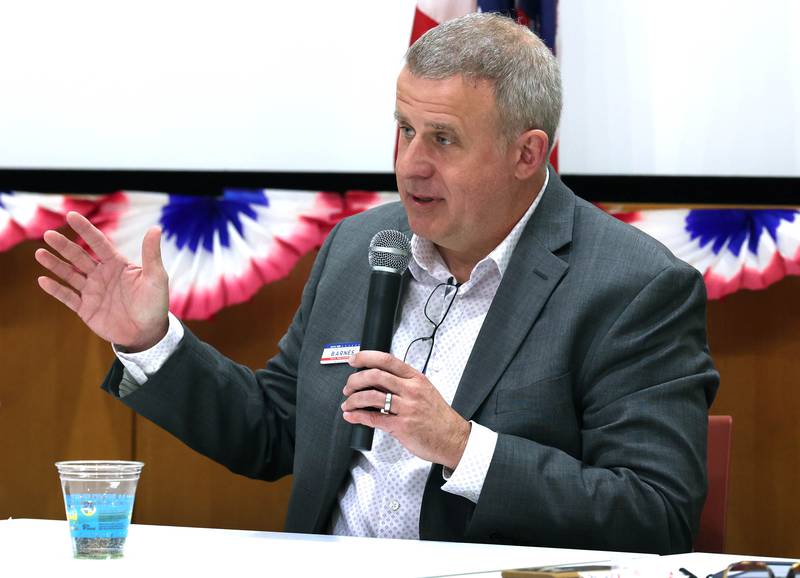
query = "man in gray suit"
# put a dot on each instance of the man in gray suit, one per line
(556, 379)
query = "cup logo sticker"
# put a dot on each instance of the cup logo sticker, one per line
(88, 508)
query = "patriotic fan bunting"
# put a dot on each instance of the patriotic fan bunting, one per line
(219, 251)
(733, 249)
(28, 215)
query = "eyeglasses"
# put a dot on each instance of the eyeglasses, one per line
(754, 569)
(443, 296)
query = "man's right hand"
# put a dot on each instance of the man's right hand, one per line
(121, 302)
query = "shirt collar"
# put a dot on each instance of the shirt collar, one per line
(425, 258)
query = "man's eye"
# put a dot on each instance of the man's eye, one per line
(443, 139)
(406, 131)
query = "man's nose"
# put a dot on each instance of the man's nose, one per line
(413, 160)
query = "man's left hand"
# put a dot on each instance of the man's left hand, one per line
(420, 418)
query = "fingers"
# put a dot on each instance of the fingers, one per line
(96, 240)
(57, 290)
(371, 398)
(151, 253)
(64, 270)
(372, 419)
(385, 361)
(73, 253)
(371, 379)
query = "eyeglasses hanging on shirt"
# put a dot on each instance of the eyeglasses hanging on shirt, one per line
(441, 298)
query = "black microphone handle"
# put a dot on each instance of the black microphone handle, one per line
(382, 300)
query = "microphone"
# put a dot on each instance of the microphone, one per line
(389, 254)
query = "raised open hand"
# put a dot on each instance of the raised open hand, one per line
(121, 302)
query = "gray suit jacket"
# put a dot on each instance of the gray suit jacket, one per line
(592, 366)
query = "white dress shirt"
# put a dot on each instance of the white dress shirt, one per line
(382, 496)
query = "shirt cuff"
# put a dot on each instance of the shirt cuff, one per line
(145, 363)
(468, 477)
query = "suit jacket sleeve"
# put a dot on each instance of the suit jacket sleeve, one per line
(638, 481)
(242, 419)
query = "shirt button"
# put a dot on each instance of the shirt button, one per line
(394, 505)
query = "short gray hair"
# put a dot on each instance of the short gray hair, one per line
(485, 46)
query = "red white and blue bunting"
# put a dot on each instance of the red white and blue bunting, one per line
(220, 251)
(733, 248)
(28, 215)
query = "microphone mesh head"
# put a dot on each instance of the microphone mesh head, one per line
(391, 250)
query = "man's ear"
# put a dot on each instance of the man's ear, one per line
(532, 148)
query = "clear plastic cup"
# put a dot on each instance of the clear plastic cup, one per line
(98, 498)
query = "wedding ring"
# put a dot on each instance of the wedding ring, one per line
(387, 405)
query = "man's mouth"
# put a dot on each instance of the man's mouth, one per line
(422, 199)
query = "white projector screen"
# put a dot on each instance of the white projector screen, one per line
(192, 85)
(662, 87)
(680, 87)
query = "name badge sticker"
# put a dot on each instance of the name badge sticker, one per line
(339, 352)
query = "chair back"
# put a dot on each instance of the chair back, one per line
(711, 536)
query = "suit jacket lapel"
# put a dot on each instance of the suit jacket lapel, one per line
(532, 275)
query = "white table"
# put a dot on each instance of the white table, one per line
(41, 547)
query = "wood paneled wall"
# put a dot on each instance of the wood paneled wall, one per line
(755, 341)
(51, 408)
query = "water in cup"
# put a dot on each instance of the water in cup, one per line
(98, 498)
